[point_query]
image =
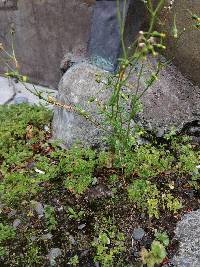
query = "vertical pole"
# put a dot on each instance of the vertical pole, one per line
(105, 43)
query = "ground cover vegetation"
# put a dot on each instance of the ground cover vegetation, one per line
(116, 206)
(86, 202)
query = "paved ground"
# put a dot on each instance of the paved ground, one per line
(16, 93)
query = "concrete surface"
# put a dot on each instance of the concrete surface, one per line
(45, 31)
(16, 93)
(187, 54)
(7, 92)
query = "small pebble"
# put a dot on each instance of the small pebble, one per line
(160, 132)
(33, 238)
(16, 223)
(72, 240)
(39, 208)
(138, 234)
(53, 254)
(80, 227)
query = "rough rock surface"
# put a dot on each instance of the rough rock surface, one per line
(77, 85)
(171, 101)
(188, 234)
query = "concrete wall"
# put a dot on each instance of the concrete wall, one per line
(45, 31)
(187, 55)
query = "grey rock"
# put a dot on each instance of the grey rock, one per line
(6, 91)
(172, 101)
(82, 226)
(194, 130)
(53, 254)
(188, 234)
(24, 95)
(39, 208)
(160, 132)
(47, 56)
(69, 60)
(77, 85)
(72, 240)
(16, 223)
(138, 234)
(33, 238)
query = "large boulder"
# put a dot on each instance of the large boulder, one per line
(77, 85)
(171, 101)
(188, 234)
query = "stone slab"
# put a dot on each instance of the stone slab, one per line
(15, 93)
(6, 91)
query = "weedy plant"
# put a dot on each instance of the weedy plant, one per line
(75, 215)
(74, 261)
(6, 233)
(157, 253)
(147, 197)
(124, 102)
(109, 244)
(49, 213)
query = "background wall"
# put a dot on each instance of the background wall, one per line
(187, 55)
(45, 31)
